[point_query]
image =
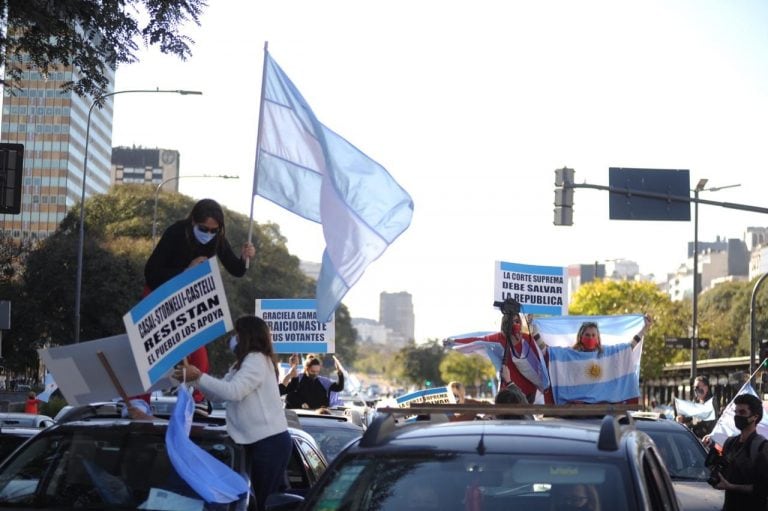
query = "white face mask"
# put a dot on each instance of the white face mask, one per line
(203, 237)
(233, 343)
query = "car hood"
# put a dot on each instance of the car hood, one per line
(698, 496)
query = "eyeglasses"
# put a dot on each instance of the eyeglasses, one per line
(211, 230)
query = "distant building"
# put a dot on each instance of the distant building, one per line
(145, 166)
(755, 237)
(370, 331)
(52, 124)
(729, 262)
(758, 262)
(310, 269)
(579, 274)
(396, 312)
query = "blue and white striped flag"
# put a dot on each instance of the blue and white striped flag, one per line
(308, 169)
(612, 376)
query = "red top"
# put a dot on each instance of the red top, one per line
(31, 405)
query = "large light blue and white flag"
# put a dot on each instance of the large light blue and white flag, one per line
(210, 478)
(612, 376)
(703, 411)
(726, 426)
(308, 169)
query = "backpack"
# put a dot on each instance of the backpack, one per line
(758, 442)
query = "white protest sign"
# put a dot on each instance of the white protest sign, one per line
(295, 327)
(538, 289)
(437, 395)
(183, 314)
(83, 379)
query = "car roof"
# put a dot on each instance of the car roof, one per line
(574, 437)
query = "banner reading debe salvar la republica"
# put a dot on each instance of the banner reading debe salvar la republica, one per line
(295, 327)
(177, 318)
(538, 289)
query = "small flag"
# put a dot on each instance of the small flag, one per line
(50, 388)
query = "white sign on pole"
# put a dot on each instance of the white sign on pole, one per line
(538, 289)
(295, 327)
(177, 318)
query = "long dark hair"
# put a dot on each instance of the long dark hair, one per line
(202, 210)
(253, 336)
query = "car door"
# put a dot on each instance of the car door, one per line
(658, 484)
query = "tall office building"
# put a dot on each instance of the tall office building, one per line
(52, 123)
(148, 166)
(396, 312)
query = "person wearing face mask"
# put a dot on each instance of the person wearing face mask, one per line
(186, 244)
(702, 393)
(509, 372)
(311, 391)
(254, 413)
(745, 475)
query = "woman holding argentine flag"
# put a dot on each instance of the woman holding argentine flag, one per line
(590, 372)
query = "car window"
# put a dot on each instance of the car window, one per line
(315, 461)
(682, 454)
(661, 494)
(100, 468)
(459, 481)
(331, 440)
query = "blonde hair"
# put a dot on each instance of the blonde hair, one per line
(458, 388)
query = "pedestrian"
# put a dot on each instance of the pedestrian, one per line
(185, 244)
(31, 404)
(519, 341)
(745, 474)
(702, 393)
(254, 413)
(311, 391)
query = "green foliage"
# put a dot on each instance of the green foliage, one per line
(418, 363)
(93, 36)
(607, 297)
(53, 406)
(470, 370)
(118, 241)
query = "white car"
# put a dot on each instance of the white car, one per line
(25, 420)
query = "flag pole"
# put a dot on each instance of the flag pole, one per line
(258, 143)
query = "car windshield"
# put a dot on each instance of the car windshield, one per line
(461, 481)
(682, 454)
(331, 440)
(101, 468)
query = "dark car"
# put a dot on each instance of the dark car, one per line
(12, 438)
(494, 465)
(332, 432)
(684, 456)
(100, 462)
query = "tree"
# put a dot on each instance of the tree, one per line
(419, 364)
(90, 35)
(606, 297)
(470, 370)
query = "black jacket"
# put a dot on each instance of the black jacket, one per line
(178, 247)
(314, 392)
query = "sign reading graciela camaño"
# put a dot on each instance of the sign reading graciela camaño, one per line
(295, 327)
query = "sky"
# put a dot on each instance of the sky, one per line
(471, 106)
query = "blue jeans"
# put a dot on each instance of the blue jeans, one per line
(269, 460)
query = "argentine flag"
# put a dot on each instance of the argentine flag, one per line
(612, 376)
(703, 411)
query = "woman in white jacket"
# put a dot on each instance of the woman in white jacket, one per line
(255, 415)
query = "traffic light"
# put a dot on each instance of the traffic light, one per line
(11, 169)
(564, 196)
(427, 383)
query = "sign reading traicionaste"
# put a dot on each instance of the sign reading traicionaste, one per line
(295, 327)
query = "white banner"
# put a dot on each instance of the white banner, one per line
(437, 395)
(538, 289)
(295, 327)
(177, 318)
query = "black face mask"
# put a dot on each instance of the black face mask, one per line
(741, 422)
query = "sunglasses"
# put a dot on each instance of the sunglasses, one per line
(207, 230)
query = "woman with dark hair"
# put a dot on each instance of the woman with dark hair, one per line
(192, 241)
(702, 393)
(255, 415)
(186, 244)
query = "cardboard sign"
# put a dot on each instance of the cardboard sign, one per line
(295, 327)
(177, 318)
(438, 395)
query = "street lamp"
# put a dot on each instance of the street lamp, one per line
(157, 193)
(694, 331)
(97, 100)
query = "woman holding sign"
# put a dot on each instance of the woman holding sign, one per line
(186, 244)
(255, 415)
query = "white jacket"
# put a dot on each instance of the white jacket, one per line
(254, 408)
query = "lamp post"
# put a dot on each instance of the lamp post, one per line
(97, 100)
(694, 331)
(157, 193)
